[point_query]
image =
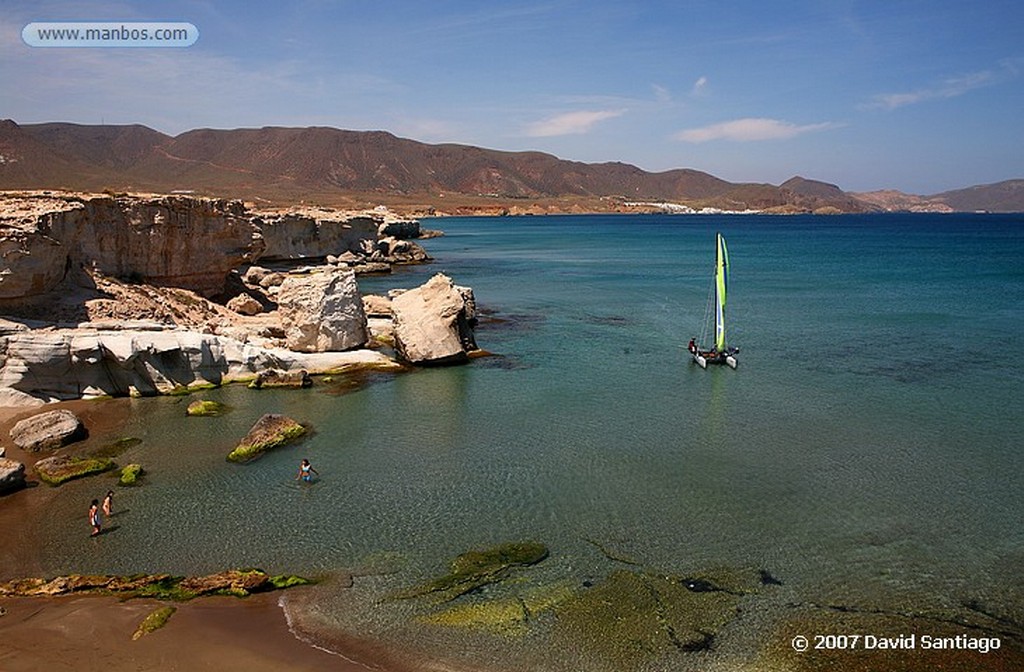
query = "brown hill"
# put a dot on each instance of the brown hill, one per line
(346, 168)
(1007, 196)
(27, 162)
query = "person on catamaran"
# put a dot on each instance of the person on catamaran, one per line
(692, 346)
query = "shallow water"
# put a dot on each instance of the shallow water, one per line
(866, 451)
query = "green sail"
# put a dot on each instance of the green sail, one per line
(721, 287)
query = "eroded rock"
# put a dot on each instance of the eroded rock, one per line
(270, 431)
(12, 475)
(275, 378)
(434, 322)
(323, 312)
(243, 304)
(48, 431)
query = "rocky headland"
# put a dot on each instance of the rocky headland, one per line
(118, 295)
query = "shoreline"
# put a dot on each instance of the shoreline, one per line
(94, 632)
(225, 633)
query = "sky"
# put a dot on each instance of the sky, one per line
(917, 95)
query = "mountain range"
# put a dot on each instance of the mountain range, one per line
(343, 168)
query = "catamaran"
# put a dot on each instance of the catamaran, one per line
(721, 353)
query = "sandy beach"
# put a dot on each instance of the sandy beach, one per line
(95, 633)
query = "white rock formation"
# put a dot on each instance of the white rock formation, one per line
(322, 312)
(51, 365)
(434, 322)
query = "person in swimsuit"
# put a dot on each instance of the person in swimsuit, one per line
(108, 504)
(306, 471)
(94, 517)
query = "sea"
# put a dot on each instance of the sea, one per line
(866, 453)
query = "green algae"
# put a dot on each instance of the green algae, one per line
(236, 582)
(508, 616)
(282, 581)
(206, 408)
(130, 475)
(154, 621)
(478, 568)
(270, 431)
(116, 447)
(56, 472)
(632, 617)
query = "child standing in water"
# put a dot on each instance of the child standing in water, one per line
(306, 471)
(94, 517)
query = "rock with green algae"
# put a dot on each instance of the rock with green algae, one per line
(477, 568)
(270, 431)
(130, 475)
(116, 447)
(62, 468)
(237, 582)
(632, 617)
(205, 408)
(505, 615)
(154, 621)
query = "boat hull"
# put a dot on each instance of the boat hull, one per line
(704, 358)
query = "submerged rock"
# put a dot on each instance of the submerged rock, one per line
(270, 431)
(632, 617)
(61, 468)
(504, 615)
(205, 407)
(48, 431)
(130, 475)
(154, 621)
(477, 568)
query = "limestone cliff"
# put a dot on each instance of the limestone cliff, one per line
(176, 241)
(315, 233)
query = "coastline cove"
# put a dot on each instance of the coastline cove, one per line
(655, 487)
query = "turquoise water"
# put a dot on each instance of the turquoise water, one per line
(867, 451)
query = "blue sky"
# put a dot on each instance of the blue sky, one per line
(921, 96)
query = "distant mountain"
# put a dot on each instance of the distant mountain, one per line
(339, 167)
(1005, 196)
(890, 200)
(825, 192)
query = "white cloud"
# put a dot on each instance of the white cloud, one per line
(949, 88)
(748, 130)
(570, 123)
(661, 94)
(700, 86)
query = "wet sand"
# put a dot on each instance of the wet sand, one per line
(95, 633)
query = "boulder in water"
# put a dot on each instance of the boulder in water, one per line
(270, 431)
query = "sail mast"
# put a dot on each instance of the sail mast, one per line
(721, 287)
